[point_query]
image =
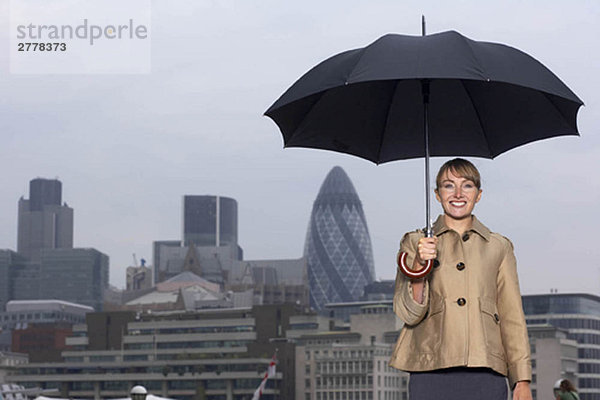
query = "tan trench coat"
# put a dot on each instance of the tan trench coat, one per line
(472, 313)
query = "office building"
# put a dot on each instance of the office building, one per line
(44, 223)
(9, 261)
(579, 315)
(338, 246)
(75, 275)
(210, 221)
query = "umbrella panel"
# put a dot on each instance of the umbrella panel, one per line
(382, 121)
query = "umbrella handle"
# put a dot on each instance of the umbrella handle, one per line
(409, 272)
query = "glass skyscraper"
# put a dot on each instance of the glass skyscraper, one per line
(338, 246)
(209, 220)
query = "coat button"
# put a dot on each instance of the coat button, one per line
(497, 317)
(436, 263)
(461, 301)
(465, 237)
(460, 266)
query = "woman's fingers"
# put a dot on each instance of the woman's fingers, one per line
(427, 249)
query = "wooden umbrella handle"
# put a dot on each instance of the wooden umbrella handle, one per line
(409, 272)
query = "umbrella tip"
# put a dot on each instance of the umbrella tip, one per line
(423, 31)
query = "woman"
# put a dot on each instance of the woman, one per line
(464, 324)
(567, 391)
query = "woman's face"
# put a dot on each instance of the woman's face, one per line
(457, 195)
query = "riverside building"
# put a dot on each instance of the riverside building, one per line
(209, 354)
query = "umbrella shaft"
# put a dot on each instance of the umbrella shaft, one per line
(425, 92)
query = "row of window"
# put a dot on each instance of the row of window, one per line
(194, 329)
(576, 323)
(358, 395)
(214, 384)
(345, 366)
(201, 344)
(164, 369)
(354, 395)
(589, 368)
(341, 381)
(360, 354)
(589, 383)
(588, 353)
(585, 338)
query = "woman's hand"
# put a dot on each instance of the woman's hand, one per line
(522, 391)
(426, 250)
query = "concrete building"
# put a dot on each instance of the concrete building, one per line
(351, 364)
(579, 315)
(552, 356)
(338, 245)
(44, 223)
(207, 354)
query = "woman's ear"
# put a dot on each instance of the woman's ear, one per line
(478, 196)
(437, 195)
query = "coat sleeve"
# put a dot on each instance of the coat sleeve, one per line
(405, 307)
(512, 319)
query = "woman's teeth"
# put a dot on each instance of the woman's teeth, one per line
(458, 203)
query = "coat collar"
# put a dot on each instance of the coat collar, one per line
(439, 227)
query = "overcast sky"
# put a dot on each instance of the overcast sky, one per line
(128, 147)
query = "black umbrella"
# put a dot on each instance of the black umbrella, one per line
(404, 96)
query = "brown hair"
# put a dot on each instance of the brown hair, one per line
(567, 386)
(461, 168)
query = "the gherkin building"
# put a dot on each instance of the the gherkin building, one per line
(338, 246)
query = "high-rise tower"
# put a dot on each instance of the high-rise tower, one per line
(338, 246)
(43, 222)
(209, 221)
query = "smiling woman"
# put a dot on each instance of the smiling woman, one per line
(464, 324)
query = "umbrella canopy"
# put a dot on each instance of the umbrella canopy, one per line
(484, 99)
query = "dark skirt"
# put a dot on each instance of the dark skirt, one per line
(457, 384)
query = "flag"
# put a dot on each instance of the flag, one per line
(270, 372)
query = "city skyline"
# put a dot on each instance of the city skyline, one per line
(128, 147)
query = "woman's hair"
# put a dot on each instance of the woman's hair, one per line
(461, 168)
(567, 386)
